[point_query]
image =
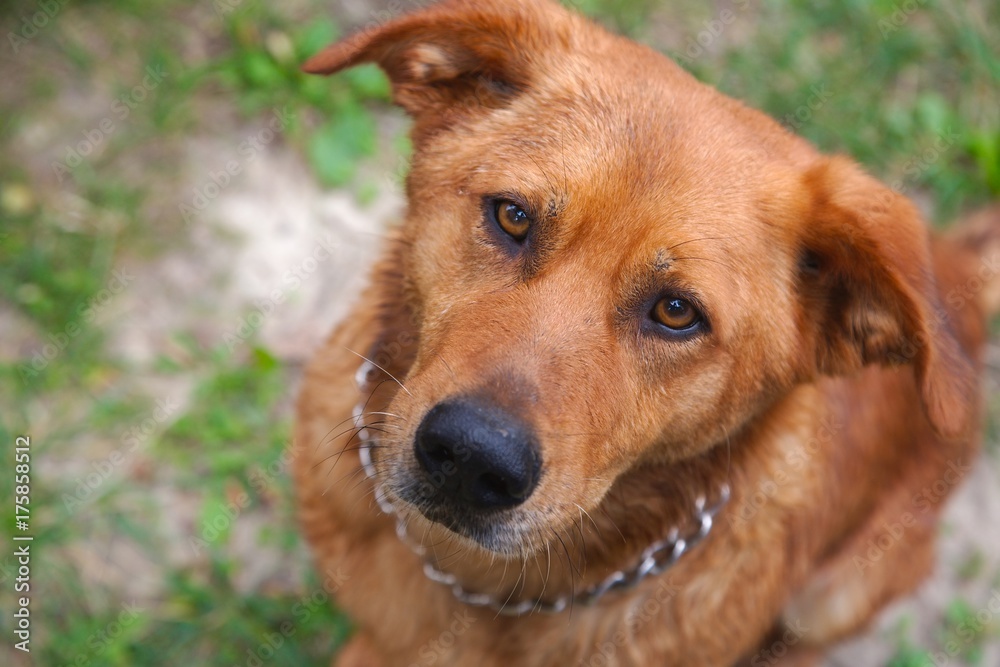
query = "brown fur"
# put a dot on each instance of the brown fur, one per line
(837, 380)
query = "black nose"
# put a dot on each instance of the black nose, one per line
(476, 454)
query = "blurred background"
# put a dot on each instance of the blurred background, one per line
(183, 217)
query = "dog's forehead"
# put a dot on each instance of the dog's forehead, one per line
(634, 158)
(621, 167)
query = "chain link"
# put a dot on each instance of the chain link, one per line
(655, 559)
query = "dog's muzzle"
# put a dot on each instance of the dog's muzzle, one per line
(475, 455)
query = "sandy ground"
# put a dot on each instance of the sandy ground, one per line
(275, 218)
(274, 222)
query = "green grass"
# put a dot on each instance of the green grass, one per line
(892, 93)
(916, 103)
(263, 69)
(960, 639)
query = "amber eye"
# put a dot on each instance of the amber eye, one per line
(675, 313)
(512, 219)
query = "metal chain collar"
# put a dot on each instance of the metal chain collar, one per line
(656, 559)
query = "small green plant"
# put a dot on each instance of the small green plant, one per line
(909, 656)
(831, 71)
(264, 70)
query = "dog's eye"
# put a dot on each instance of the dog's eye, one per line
(512, 219)
(675, 313)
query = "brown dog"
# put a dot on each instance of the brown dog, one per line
(653, 381)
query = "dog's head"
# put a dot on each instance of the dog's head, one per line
(609, 264)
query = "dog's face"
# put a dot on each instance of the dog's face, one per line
(611, 265)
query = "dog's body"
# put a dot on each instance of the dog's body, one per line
(566, 184)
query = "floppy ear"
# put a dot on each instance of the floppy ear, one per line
(453, 55)
(869, 291)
